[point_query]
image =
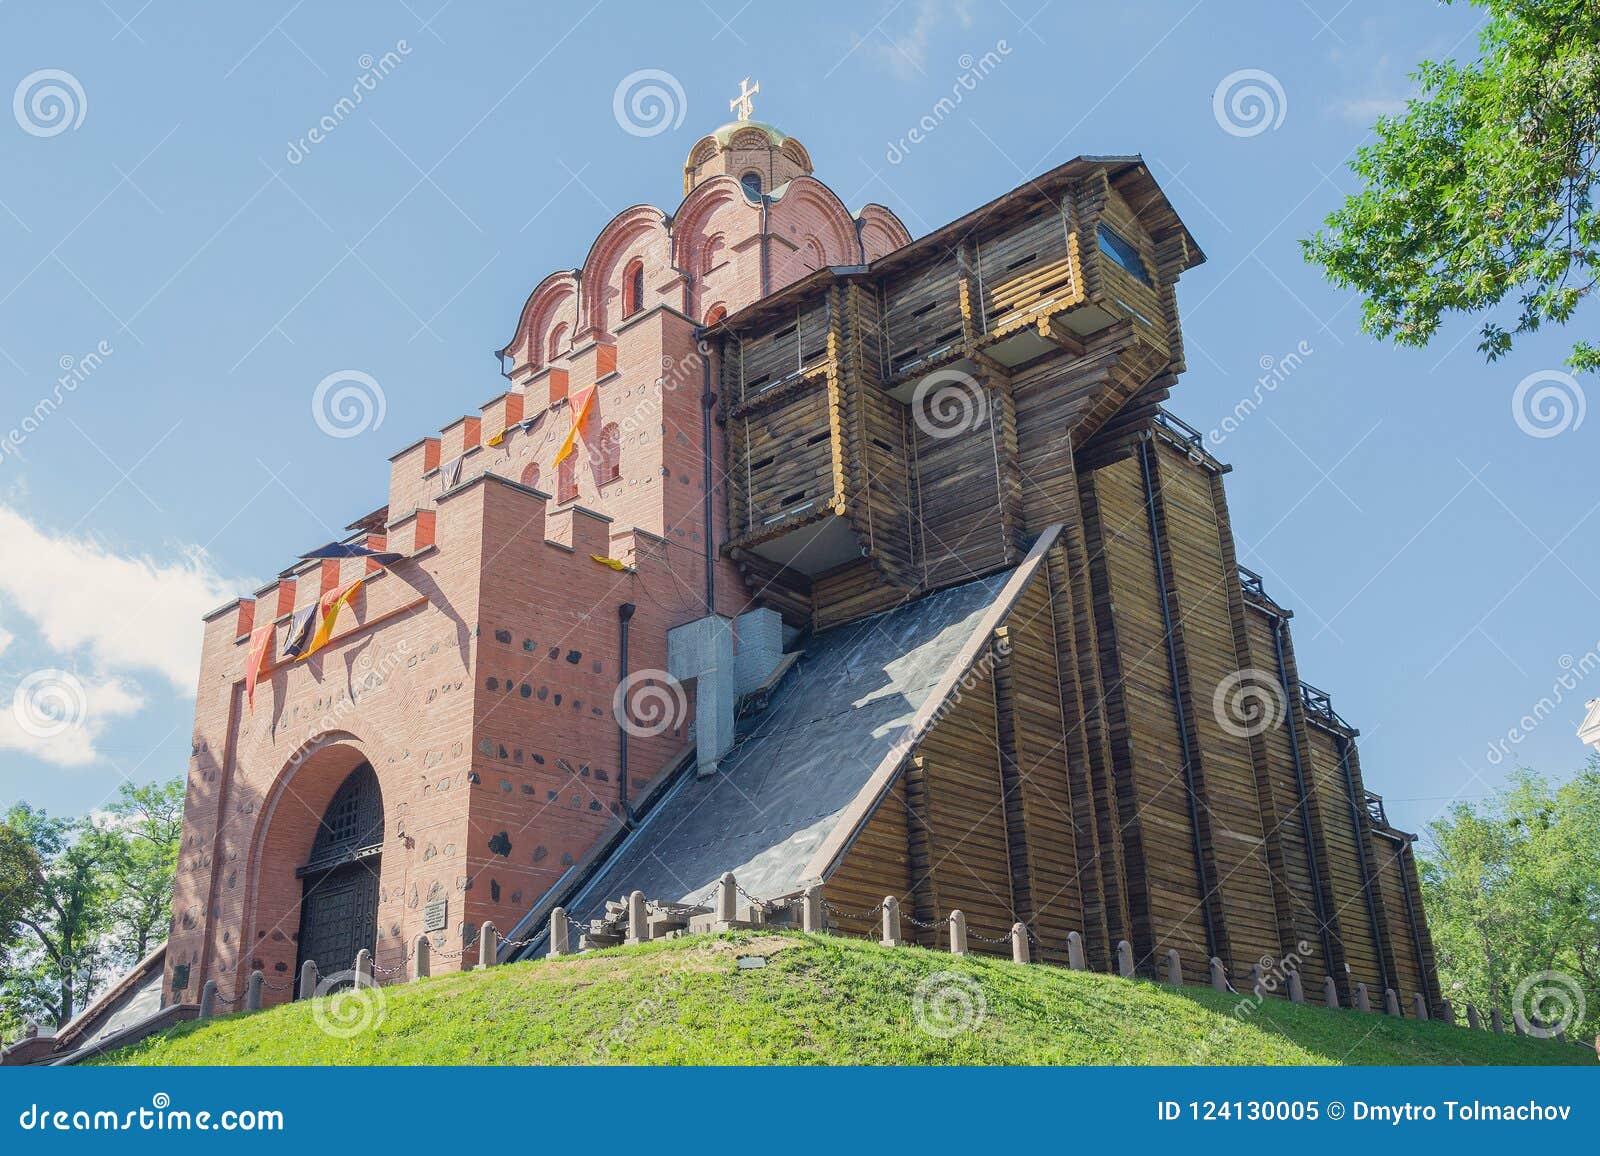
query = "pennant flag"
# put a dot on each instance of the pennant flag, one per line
(496, 439)
(449, 474)
(353, 550)
(614, 563)
(299, 632)
(332, 601)
(580, 410)
(260, 638)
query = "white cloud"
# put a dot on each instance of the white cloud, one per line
(6, 638)
(128, 612)
(906, 54)
(68, 739)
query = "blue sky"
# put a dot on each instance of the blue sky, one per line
(158, 237)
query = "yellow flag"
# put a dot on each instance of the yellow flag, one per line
(612, 562)
(332, 601)
(580, 410)
(496, 439)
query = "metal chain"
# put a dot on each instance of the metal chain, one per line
(924, 923)
(869, 913)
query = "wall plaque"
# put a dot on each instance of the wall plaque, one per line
(435, 915)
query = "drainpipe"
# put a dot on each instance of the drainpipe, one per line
(1406, 873)
(1305, 803)
(707, 401)
(1177, 695)
(624, 615)
(1359, 827)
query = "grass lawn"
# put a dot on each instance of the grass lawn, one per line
(818, 1000)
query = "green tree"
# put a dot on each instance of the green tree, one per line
(1483, 190)
(62, 953)
(140, 836)
(1512, 888)
(19, 886)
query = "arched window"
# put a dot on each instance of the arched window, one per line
(558, 338)
(609, 463)
(752, 184)
(567, 479)
(530, 475)
(711, 254)
(633, 288)
(716, 313)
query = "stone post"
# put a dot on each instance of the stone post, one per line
(1174, 968)
(1419, 1006)
(363, 968)
(252, 998)
(891, 922)
(1219, 975)
(1496, 1022)
(727, 901)
(1330, 992)
(1391, 1002)
(1363, 1001)
(309, 979)
(1474, 1021)
(958, 933)
(208, 999)
(421, 958)
(488, 945)
(638, 928)
(558, 932)
(1297, 991)
(1256, 982)
(1075, 957)
(1124, 959)
(811, 909)
(1019, 943)
(1447, 1012)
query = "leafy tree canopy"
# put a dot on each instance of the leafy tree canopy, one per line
(1481, 195)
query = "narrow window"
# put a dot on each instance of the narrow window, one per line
(716, 313)
(752, 184)
(633, 289)
(558, 338)
(1123, 252)
(530, 476)
(610, 463)
(567, 478)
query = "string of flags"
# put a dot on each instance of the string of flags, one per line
(580, 410)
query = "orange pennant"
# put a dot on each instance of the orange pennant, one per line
(332, 601)
(580, 410)
(260, 639)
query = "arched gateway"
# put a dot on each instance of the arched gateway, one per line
(339, 901)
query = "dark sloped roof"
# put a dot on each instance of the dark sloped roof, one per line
(788, 783)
